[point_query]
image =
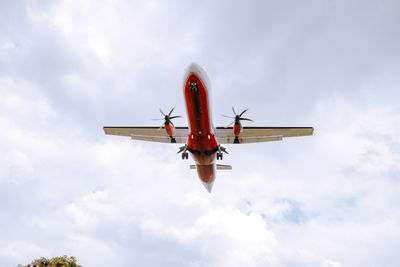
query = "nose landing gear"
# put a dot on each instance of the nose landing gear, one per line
(193, 86)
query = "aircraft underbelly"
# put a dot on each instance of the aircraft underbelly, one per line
(201, 140)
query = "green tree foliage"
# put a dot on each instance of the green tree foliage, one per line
(64, 261)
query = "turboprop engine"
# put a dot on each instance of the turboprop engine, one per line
(237, 126)
(168, 124)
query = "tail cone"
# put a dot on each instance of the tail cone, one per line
(208, 186)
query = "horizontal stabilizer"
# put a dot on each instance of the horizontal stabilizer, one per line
(219, 167)
(224, 167)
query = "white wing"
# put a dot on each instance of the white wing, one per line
(225, 135)
(152, 134)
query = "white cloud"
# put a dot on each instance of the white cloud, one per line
(65, 188)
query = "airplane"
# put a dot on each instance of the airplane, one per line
(201, 139)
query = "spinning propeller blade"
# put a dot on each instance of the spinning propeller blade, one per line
(237, 118)
(167, 118)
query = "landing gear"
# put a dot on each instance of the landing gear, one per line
(183, 150)
(185, 155)
(193, 86)
(219, 155)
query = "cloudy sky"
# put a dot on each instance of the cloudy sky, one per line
(68, 68)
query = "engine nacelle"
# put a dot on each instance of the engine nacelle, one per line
(237, 128)
(169, 129)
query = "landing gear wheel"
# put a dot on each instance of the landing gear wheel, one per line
(219, 156)
(185, 155)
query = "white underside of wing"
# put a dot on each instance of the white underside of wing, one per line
(160, 139)
(152, 134)
(225, 135)
(247, 140)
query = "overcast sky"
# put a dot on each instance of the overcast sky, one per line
(68, 68)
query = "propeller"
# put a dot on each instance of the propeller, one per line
(238, 117)
(167, 118)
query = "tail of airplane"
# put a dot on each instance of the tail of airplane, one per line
(219, 167)
(224, 167)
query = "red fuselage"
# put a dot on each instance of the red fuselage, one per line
(201, 142)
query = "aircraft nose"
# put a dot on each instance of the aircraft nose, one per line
(194, 67)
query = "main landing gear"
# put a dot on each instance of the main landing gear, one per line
(185, 155)
(220, 152)
(183, 150)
